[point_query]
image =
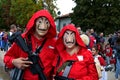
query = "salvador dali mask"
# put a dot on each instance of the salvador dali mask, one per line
(42, 26)
(69, 39)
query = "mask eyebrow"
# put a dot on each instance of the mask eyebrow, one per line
(66, 32)
(72, 32)
(41, 18)
(69, 32)
(46, 19)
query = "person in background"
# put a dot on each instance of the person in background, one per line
(73, 60)
(13, 30)
(110, 39)
(108, 53)
(40, 28)
(117, 57)
(101, 39)
(79, 30)
(114, 43)
(2, 42)
(94, 34)
(92, 39)
(113, 39)
(5, 41)
(100, 63)
(1, 39)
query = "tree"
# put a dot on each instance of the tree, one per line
(24, 11)
(102, 15)
(1, 19)
(26, 8)
(52, 7)
(20, 11)
(4, 14)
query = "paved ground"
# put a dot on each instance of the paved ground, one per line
(5, 76)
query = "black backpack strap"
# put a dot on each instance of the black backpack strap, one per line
(32, 56)
(40, 47)
(37, 68)
(58, 60)
(20, 41)
(29, 43)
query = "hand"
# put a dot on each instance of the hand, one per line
(21, 63)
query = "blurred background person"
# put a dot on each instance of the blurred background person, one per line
(100, 63)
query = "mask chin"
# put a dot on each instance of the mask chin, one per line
(69, 47)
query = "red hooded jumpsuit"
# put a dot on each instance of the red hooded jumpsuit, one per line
(84, 67)
(46, 54)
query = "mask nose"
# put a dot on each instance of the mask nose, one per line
(42, 26)
(69, 39)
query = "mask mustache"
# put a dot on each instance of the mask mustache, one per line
(43, 29)
(69, 42)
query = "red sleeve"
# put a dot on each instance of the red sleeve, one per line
(102, 61)
(11, 54)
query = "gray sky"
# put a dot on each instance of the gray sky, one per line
(65, 6)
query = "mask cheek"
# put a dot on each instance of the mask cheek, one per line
(48, 25)
(38, 27)
(74, 40)
(64, 39)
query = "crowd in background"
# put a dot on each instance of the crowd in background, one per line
(5, 36)
(108, 47)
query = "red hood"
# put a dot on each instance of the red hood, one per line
(59, 44)
(30, 26)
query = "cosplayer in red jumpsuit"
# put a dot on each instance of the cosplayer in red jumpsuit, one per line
(70, 48)
(41, 26)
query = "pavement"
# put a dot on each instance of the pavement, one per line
(1, 58)
(5, 76)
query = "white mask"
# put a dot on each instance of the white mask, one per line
(42, 26)
(69, 39)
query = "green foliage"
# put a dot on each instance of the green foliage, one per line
(1, 20)
(102, 15)
(4, 15)
(20, 11)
